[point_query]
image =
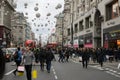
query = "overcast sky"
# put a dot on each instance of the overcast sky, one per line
(47, 23)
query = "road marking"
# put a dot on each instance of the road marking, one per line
(110, 71)
(56, 77)
(8, 73)
(113, 74)
(54, 73)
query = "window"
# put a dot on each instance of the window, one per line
(81, 27)
(76, 28)
(112, 10)
(68, 31)
(115, 10)
(87, 22)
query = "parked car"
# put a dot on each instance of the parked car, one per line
(9, 54)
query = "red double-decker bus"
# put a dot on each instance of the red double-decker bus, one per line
(30, 43)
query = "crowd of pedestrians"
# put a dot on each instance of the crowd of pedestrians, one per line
(97, 55)
(29, 56)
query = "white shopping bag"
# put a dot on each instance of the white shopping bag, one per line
(21, 68)
(80, 59)
(119, 66)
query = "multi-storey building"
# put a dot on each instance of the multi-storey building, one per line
(93, 23)
(58, 32)
(19, 27)
(6, 11)
(28, 32)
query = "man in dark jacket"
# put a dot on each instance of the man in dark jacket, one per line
(49, 58)
(2, 63)
(85, 57)
(42, 58)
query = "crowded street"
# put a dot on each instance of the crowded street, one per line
(59, 39)
(71, 70)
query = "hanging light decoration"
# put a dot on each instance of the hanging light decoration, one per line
(46, 24)
(48, 14)
(25, 4)
(38, 15)
(34, 18)
(36, 8)
(41, 25)
(26, 13)
(37, 29)
(37, 4)
(58, 6)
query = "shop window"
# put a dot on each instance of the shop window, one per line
(115, 10)
(112, 10)
(76, 28)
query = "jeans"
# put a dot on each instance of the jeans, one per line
(28, 69)
(48, 66)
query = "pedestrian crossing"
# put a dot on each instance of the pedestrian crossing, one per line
(108, 70)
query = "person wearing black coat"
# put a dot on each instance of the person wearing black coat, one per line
(2, 63)
(49, 58)
(42, 54)
(85, 57)
(100, 56)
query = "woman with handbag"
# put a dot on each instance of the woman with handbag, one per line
(28, 59)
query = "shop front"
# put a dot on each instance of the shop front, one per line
(5, 36)
(81, 41)
(111, 37)
(75, 43)
(88, 43)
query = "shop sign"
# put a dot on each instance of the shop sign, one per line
(88, 45)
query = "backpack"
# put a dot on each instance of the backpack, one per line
(16, 55)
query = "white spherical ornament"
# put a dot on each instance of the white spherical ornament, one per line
(26, 13)
(46, 24)
(37, 29)
(36, 8)
(38, 15)
(48, 14)
(36, 4)
(25, 4)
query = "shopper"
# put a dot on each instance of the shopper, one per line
(28, 59)
(17, 58)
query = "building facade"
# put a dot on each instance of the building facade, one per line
(92, 23)
(6, 11)
(19, 29)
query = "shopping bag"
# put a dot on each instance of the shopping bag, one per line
(34, 74)
(20, 73)
(80, 59)
(21, 69)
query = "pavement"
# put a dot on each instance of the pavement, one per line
(114, 64)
